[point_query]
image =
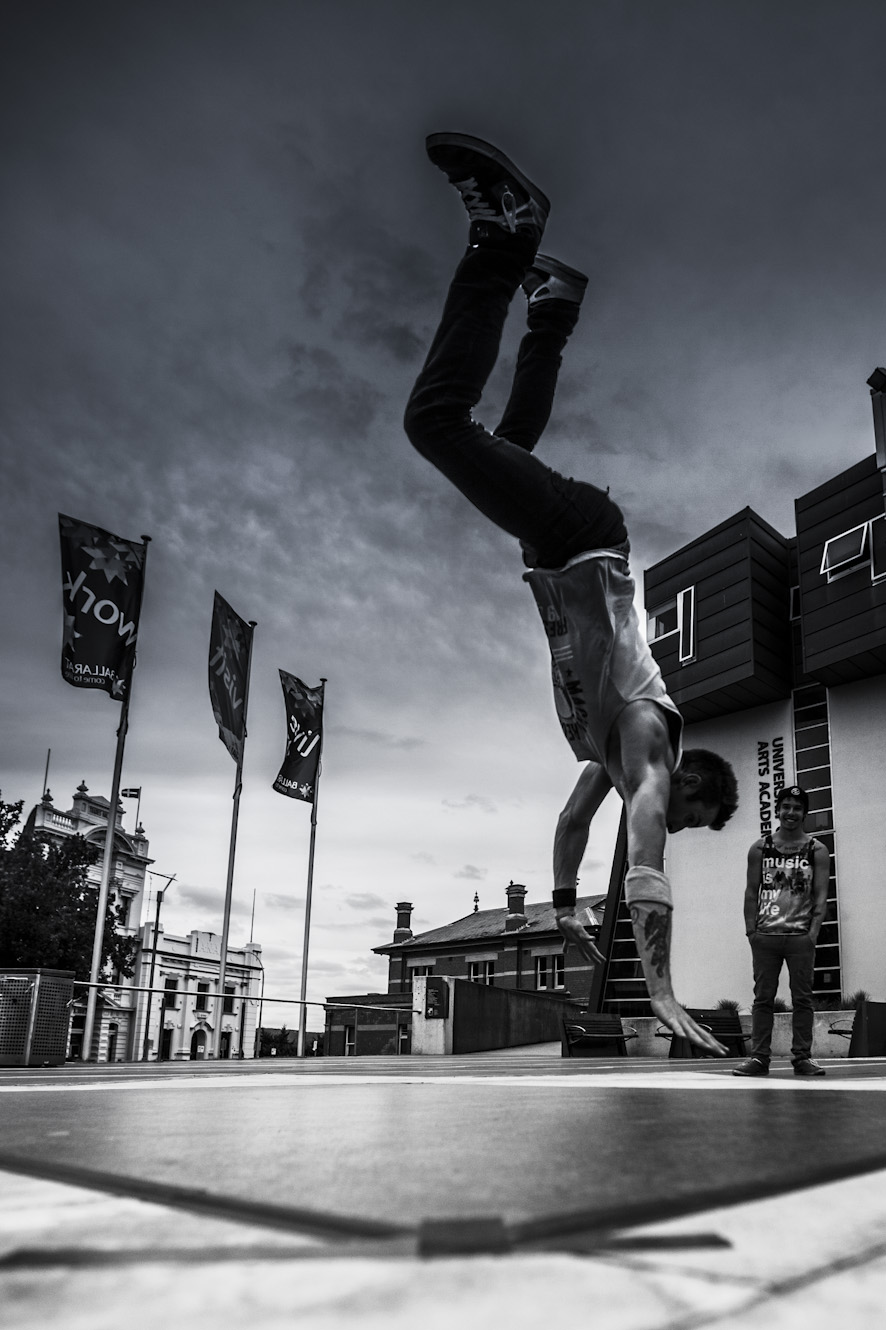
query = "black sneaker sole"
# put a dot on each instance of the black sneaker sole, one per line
(490, 153)
(554, 268)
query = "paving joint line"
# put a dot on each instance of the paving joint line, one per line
(449, 1235)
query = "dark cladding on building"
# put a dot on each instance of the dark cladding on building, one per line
(774, 649)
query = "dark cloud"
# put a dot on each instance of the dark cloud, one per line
(276, 901)
(403, 743)
(224, 255)
(365, 900)
(331, 401)
(471, 873)
(209, 900)
(480, 802)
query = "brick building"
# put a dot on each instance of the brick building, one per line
(516, 946)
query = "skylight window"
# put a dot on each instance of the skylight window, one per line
(846, 553)
(661, 622)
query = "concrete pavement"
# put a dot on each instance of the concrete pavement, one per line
(396, 1192)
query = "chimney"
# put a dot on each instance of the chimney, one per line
(403, 932)
(516, 916)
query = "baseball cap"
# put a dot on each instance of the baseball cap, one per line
(792, 792)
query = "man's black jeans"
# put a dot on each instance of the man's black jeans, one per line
(770, 950)
(553, 516)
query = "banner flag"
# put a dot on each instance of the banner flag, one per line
(131, 794)
(102, 584)
(230, 639)
(304, 728)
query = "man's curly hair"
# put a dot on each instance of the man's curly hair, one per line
(718, 783)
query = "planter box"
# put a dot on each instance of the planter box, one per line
(824, 1044)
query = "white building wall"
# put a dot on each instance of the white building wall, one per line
(858, 764)
(193, 960)
(710, 955)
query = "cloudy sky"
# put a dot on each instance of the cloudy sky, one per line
(223, 254)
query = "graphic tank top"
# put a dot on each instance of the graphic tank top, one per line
(600, 660)
(784, 902)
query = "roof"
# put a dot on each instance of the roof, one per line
(484, 925)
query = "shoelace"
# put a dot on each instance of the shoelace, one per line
(481, 209)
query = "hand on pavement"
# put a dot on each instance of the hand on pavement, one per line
(680, 1023)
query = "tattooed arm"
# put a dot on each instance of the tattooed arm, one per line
(652, 933)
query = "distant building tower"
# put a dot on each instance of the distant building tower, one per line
(88, 817)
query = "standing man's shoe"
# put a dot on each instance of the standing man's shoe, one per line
(495, 193)
(806, 1067)
(752, 1067)
(549, 279)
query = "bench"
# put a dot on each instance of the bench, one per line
(592, 1036)
(867, 1037)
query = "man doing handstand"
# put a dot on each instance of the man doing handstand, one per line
(610, 696)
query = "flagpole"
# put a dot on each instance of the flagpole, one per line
(108, 860)
(232, 849)
(302, 1011)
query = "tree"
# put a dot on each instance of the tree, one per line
(48, 905)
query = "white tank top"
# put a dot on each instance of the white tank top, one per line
(600, 659)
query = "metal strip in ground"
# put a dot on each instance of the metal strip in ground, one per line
(314, 1223)
(616, 1217)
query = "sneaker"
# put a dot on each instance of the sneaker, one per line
(806, 1067)
(548, 279)
(493, 191)
(752, 1067)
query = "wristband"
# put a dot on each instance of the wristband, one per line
(647, 884)
(564, 897)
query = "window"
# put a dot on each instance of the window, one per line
(481, 972)
(550, 971)
(686, 624)
(661, 622)
(878, 548)
(675, 616)
(228, 1002)
(170, 994)
(202, 990)
(794, 612)
(846, 553)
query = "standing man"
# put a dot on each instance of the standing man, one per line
(610, 696)
(784, 907)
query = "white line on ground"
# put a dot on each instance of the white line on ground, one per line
(676, 1080)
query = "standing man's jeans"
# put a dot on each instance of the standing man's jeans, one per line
(553, 516)
(769, 951)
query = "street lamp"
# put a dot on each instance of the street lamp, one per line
(169, 881)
